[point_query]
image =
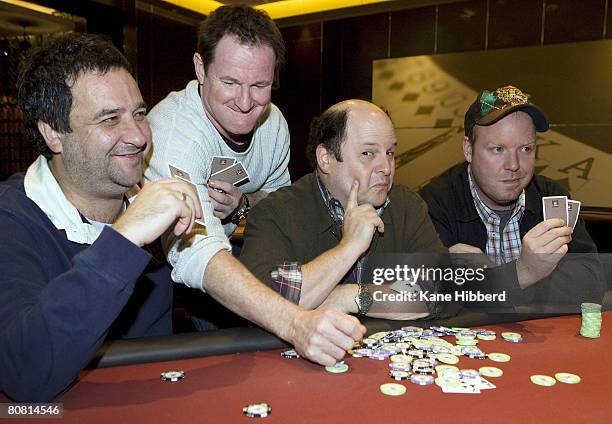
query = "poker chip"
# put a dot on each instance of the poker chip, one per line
(399, 375)
(486, 335)
(467, 342)
(443, 369)
(172, 375)
(490, 371)
(399, 366)
(567, 378)
(257, 410)
(361, 353)
(421, 380)
(415, 353)
(591, 320)
(498, 357)
(439, 349)
(393, 389)
(448, 381)
(512, 337)
(337, 368)
(469, 374)
(378, 336)
(404, 359)
(290, 354)
(543, 380)
(447, 358)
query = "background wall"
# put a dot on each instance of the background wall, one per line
(330, 60)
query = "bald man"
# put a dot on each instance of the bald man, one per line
(305, 239)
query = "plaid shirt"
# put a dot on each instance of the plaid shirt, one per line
(287, 277)
(505, 247)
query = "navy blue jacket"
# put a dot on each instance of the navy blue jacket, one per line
(60, 300)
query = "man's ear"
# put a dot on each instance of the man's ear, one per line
(198, 66)
(51, 137)
(467, 149)
(324, 159)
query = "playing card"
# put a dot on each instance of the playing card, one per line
(483, 384)
(573, 210)
(182, 175)
(460, 389)
(235, 174)
(555, 207)
(219, 163)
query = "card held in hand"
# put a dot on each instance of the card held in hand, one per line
(184, 176)
(555, 207)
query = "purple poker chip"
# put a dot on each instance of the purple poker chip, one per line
(421, 380)
(399, 366)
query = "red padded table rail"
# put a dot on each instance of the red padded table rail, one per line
(217, 388)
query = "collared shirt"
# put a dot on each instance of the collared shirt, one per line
(503, 244)
(287, 277)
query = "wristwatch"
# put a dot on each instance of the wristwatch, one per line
(363, 299)
(241, 212)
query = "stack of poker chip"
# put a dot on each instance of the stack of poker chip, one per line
(591, 320)
(257, 410)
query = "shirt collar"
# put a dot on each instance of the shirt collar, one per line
(42, 188)
(485, 212)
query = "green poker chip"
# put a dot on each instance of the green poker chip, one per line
(567, 378)
(498, 357)
(338, 368)
(392, 389)
(543, 380)
(490, 371)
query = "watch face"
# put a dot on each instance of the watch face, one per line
(365, 300)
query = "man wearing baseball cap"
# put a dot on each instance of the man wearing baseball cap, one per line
(491, 204)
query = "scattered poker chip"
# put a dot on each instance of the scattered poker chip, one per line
(421, 380)
(257, 410)
(512, 337)
(403, 347)
(444, 369)
(415, 353)
(447, 358)
(469, 374)
(567, 378)
(467, 342)
(448, 381)
(337, 368)
(290, 354)
(399, 375)
(361, 353)
(543, 380)
(399, 366)
(393, 389)
(404, 359)
(456, 350)
(498, 357)
(490, 371)
(378, 336)
(439, 349)
(486, 335)
(172, 375)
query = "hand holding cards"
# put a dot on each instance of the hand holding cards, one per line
(561, 207)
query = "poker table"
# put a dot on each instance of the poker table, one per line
(217, 387)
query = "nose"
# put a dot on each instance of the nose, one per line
(244, 101)
(512, 161)
(385, 165)
(136, 132)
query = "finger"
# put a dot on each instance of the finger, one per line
(544, 226)
(347, 325)
(380, 225)
(552, 235)
(221, 185)
(352, 197)
(218, 197)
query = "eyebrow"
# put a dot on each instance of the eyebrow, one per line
(228, 78)
(370, 143)
(104, 112)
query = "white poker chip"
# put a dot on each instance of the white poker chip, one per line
(337, 368)
(393, 389)
(172, 375)
(498, 357)
(257, 410)
(490, 371)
